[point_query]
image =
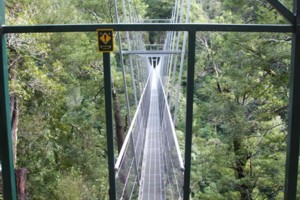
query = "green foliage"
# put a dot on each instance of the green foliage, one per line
(58, 79)
(159, 9)
(241, 95)
(241, 101)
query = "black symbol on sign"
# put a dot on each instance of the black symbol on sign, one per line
(105, 38)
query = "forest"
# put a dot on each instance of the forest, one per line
(240, 99)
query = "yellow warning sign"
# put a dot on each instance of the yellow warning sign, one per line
(105, 40)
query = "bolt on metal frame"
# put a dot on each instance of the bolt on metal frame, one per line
(294, 105)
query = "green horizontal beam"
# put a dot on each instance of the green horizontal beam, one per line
(281, 28)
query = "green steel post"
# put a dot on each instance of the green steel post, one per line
(294, 114)
(109, 125)
(189, 114)
(6, 150)
(2, 21)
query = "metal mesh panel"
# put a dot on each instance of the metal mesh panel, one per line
(129, 164)
(173, 164)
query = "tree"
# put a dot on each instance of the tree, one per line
(57, 95)
(241, 109)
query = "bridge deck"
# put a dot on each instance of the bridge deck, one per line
(152, 186)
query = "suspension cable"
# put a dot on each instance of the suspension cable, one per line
(180, 9)
(122, 65)
(130, 56)
(181, 64)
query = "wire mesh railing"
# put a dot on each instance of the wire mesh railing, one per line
(129, 163)
(173, 162)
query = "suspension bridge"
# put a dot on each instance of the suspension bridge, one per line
(150, 164)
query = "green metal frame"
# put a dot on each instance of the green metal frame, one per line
(109, 125)
(292, 158)
(282, 28)
(6, 149)
(294, 104)
(189, 114)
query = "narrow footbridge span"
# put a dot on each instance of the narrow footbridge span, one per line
(151, 165)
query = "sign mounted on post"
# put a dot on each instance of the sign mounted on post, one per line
(105, 40)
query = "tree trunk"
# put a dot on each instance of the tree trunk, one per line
(14, 124)
(14, 106)
(240, 164)
(21, 179)
(118, 121)
(119, 134)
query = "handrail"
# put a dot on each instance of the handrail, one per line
(129, 132)
(216, 27)
(173, 129)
